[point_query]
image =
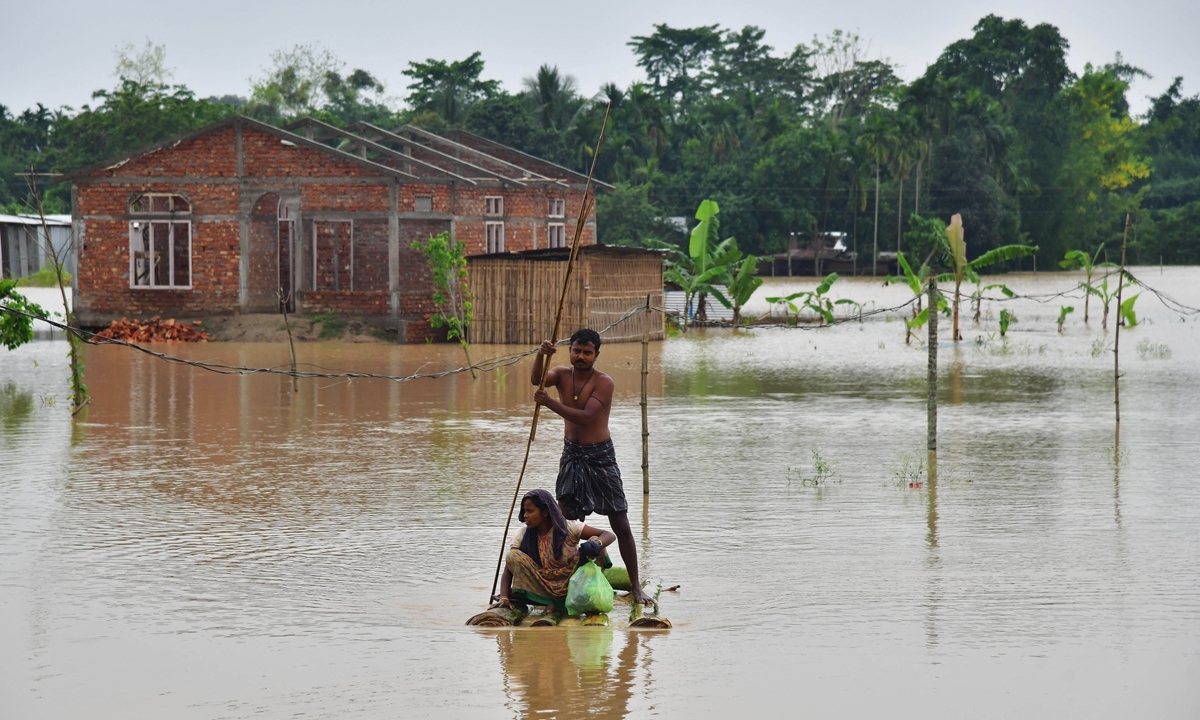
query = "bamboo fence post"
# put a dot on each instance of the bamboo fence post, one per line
(645, 420)
(585, 209)
(931, 402)
(1117, 337)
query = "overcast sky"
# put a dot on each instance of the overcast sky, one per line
(65, 50)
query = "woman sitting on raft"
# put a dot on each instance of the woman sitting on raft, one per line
(545, 553)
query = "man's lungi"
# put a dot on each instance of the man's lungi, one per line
(589, 480)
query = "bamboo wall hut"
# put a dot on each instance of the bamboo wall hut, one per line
(514, 295)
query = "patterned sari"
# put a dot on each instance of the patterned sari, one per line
(545, 584)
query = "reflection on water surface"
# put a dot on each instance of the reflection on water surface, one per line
(214, 546)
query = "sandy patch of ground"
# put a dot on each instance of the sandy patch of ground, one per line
(270, 328)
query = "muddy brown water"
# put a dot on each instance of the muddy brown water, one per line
(207, 546)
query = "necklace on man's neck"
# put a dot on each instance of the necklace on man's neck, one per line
(574, 392)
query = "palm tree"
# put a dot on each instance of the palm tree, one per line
(553, 97)
(877, 140)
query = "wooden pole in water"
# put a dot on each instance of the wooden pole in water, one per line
(585, 209)
(1117, 337)
(931, 399)
(645, 420)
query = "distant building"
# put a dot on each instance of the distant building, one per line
(22, 250)
(244, 217)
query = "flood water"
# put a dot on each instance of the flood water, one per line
(209, 546)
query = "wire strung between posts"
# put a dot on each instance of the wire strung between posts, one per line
(224, 369)
(584, 211)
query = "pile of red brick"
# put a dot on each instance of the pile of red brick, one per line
(154, 330)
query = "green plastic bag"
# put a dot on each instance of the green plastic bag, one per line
(588, 591)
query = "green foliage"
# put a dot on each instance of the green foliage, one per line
(1062, 315)
(16, 329)
(1126, 310)
(332, 325)
(448, 88)
(1005, 318)
(451, 296)
(796, 140)
(626, 216)
(706, 264)
(812, 300)
(44, 277)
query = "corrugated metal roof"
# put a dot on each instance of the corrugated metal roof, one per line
(55, 220)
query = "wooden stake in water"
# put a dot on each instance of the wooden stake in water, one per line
(645, 422)
(931, 401)
(1117, 337)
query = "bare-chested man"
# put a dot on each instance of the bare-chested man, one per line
(588, 478)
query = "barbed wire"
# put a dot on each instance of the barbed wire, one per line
(219, 368)
(503, 361)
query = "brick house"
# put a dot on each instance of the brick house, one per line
(240, 216)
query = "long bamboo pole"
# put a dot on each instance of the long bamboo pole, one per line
(931, 400)
(1117, 337)
(585, 209)
(645, 419)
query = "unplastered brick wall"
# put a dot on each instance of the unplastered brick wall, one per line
(104, 291)
(346, 197)
(212, 154)
(344, 302)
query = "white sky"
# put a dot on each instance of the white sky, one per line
(216, 46)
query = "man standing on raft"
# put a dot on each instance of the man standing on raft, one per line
(588, 478)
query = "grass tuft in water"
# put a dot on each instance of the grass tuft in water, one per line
(911, 471)
(1147, 350)
(821, 473)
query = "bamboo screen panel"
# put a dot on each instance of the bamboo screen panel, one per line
(514, 301)
(619, 283)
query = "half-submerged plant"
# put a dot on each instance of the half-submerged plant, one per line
(1106, 297)
(813, 300)
(1063, 312)
(963, 269)
(1078, 259)
(1005, 318)
(451, 296)
(916, 282)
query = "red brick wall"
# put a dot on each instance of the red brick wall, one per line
(526, 212)
(344, 198)
(268, 156)
(104, 274)
(344, 302)
(211, 154)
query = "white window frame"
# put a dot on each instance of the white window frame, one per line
(494, 237)
(556, 235)
(558, 208)
(417, 203)
(493, 206)
(160, 213)
(135, 232)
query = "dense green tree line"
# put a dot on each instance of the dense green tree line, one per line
(821, 138)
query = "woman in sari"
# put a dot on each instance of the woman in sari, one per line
(545, 553)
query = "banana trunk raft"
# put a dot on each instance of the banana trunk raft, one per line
(640, 616)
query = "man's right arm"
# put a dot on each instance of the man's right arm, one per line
(544, 351)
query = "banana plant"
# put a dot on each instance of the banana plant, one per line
(1126, 310)
(1106, 296)
(1078, 259)
(1063, 312)
(813, 300)
(916, 282)
(705, 264)
(740, 288)
(955, 248)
